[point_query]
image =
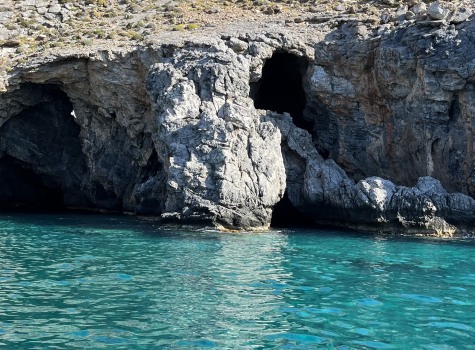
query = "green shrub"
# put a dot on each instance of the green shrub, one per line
(100, 33)
(192, 26)
(179, 27)
(86, 42)
(134, 35)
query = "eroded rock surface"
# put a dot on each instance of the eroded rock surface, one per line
(379, 137)
(223, 162)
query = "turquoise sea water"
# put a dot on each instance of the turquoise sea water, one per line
(86, 281)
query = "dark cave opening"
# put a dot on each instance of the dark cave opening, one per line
(280, 88)
(285, 215)
(148, 200)
(41, 159)
(22, 189)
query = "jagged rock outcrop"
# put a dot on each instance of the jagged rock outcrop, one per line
(223, 163)
(322, 190)
(381, 137)
(114, 164)
(409, 107)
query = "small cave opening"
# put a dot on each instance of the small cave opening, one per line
(41, 159)
(286, 215)
(280, 88)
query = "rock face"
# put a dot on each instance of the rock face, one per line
(407, 114)
(223, 162)
(362, 129)
(100, 158)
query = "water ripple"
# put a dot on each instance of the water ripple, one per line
(421, 298)
(115, 282)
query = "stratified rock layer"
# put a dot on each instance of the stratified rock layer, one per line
(380, 135)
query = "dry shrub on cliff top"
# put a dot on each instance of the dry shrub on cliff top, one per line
(137, 19)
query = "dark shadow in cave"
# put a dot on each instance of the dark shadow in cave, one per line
(454, 109)
(280, 88)
(41, 159)
(22, 189)
(285, 215)
(152, 168)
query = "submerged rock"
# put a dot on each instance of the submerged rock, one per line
(370, 131)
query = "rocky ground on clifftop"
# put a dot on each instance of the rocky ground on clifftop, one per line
(32, 26)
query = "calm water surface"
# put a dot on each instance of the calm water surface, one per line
(84, 281)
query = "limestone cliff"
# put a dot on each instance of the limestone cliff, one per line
(346, 125)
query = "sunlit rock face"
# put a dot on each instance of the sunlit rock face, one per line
(367, 131)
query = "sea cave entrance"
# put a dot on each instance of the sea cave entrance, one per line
(285, 215)
(41, 160)
(280, 88)
(23, 189)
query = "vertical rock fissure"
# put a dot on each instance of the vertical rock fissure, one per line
(454, 109)
(281, 90)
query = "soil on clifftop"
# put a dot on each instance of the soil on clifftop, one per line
(29, 27)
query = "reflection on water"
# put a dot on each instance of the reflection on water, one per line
(105, 281)
(251, 285)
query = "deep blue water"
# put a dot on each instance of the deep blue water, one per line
(89, 281)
